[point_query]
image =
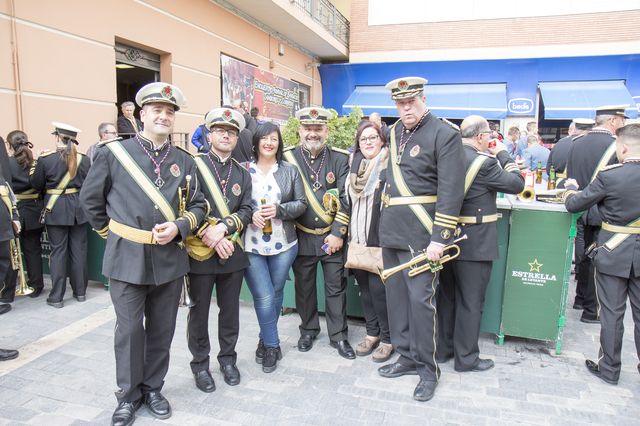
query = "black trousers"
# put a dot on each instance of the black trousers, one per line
(68, 258)
(335, 291)
(412, 315)
(374, 304)
(7, 274)
(585, 285)
(145, 323)
(612, 299)
(460, 301)
(227, 288)
(32, 249)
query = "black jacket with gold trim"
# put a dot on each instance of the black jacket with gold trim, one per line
(238, 193)
(497, 174)
(110, 192)
(30, 210)
(332, 175)
(614, 193)
(431, 164)
(7, 215)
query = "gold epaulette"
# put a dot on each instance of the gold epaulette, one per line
(444, 120)
(184, 150)
(340, 150)
(486, 154)
(104, 142)
(611, 167)
(45, 153)
(288, 148)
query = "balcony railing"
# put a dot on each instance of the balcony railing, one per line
(326, 14)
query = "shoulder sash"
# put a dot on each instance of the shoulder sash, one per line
(214, 189)
(62, 185)
(472, 172)
(604, 160)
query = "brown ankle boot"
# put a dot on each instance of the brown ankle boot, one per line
(383, 353)
(367, 345)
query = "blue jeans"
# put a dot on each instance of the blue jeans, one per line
(266, 276)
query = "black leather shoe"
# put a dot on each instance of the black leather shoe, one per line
(81, 298)
(36, 292)
(424, 390)
(482, 365)
(578, 306)
(396, 370)
(6, 300)
(204, 381)
(125, 413)
(231, 374)
(4, 308)
(58, 305)
(590, 319)
(344, 349)
(157, 405)
(260, 351)
(271, 358)
(305, 342)
(7, 354)
(595, 370)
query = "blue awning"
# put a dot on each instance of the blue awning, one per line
(567, 100)
(445, 100)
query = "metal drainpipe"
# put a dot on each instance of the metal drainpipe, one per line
(16, 67)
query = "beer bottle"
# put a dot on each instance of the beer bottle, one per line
(267, 230)
(551, 183)
(539, 173)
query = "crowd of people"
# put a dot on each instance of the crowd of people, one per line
(179, 226)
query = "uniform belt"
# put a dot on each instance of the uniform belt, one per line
(62, 191)
(21, 197)
(314, 231)
(620, 229)
(482, 219)
(130, 233)
(405, 201)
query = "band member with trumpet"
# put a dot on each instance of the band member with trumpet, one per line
(9, 230)
(217, 258)
(132, 198)
(425, 155)
(463, 282)
(617, 253)
(30, 207)
(59, 175)
(322, 230)
(587, 156)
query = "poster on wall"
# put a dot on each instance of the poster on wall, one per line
(276, 98)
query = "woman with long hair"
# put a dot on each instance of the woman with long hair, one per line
(30, 207)
(59, 175)
(364, 188)
(271, 242)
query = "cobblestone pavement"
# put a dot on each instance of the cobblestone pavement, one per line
(66, 375)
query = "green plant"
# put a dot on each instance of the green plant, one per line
(342, 130)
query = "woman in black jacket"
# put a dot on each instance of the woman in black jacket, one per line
(364, 188)
(29, 206)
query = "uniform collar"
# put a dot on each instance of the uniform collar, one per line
(148, 144)
(601, 130)
(470, 145)
(420, 123)
(631, 160)
(308, 153)
(218, 158)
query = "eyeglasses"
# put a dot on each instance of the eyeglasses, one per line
(371, 138)
(220, 132)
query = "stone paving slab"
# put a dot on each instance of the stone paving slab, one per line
(66, 376)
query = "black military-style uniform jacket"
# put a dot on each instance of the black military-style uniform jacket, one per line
(614, 192)
(431, 163)
(30, 210)
(110, 192)
(46, 173)
(559, 154)
(332, 174)
(497, 174)
(584, 156)
(7, 216)
(239, 195)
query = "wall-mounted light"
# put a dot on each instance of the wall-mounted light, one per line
(280, 49)
(124, 66)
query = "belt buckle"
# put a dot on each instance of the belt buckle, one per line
(318, 231)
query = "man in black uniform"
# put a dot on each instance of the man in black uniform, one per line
(560, 152)
(426, 159)
(588, 155)
(617, 256)
(128, 124)
(131, 197)
(227, 188)
(463, 281)
(321, 231)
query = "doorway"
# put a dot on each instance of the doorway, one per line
(134, 69)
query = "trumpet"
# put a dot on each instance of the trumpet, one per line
(527, 194)
(23, 288)
(183, 197)
(415, 266)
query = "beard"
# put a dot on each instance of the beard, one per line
(313, 144)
